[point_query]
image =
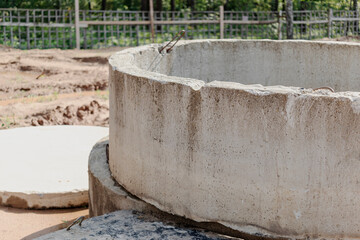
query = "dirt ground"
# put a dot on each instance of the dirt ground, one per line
(22, 224)
(52, 87)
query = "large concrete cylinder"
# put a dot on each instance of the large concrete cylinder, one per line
(236, 132)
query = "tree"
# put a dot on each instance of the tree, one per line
(144, 5)
(103, 4)
(172, 5)
(289, 19)
(191, 4)
(176, 5)
(158, 5)
(274, 5)
(355, 8)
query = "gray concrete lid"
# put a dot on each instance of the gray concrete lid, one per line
(127, 224)
(52, 160)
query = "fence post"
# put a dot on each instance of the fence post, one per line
(85, 30)
(222, 22)
(356, 30)
(27, 30)
(279, 25)
(310, 28)
(77, 27)
(152, 29)
(137, 30)
(11, 31)
(85, 38)
(186, 17)
(330, 13)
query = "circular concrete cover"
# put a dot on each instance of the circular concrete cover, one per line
(46, 167)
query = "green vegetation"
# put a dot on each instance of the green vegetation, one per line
(102, 94)
(63, 37)
(177, 5)
(7, 122)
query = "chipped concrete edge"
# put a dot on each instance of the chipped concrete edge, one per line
(106, 195)
(44, 200)
(124, 62)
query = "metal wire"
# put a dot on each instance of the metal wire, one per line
(78, 220)
(156, 61)
(178, 36)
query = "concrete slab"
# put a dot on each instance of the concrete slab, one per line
(46, 167)
(127, 224)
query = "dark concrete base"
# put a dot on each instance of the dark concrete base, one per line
(127, 224)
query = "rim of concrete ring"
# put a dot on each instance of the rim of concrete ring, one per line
(124, 62)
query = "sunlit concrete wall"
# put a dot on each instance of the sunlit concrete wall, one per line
(273, 160)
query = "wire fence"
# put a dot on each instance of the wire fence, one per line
(260, 25)
(27, 28)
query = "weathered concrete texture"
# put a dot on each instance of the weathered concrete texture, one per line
(269, 160)
(129, 225)
(106, 195)
(46, 167)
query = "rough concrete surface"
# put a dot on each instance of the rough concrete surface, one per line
(106, 195)
(46, 167)
(127, 224)
(189, 135)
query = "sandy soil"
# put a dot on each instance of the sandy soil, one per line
(28, 224)
(51, 87)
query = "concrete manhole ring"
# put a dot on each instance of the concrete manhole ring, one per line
(249, 134)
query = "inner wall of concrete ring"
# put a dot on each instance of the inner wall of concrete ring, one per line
(276, 161)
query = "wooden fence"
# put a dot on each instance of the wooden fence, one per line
(39, 28)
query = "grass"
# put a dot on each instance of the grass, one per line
(54, 96)
(7, 122)
(40, 99)
(102, 94)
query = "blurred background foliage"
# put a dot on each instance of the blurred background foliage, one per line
(176, 5)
